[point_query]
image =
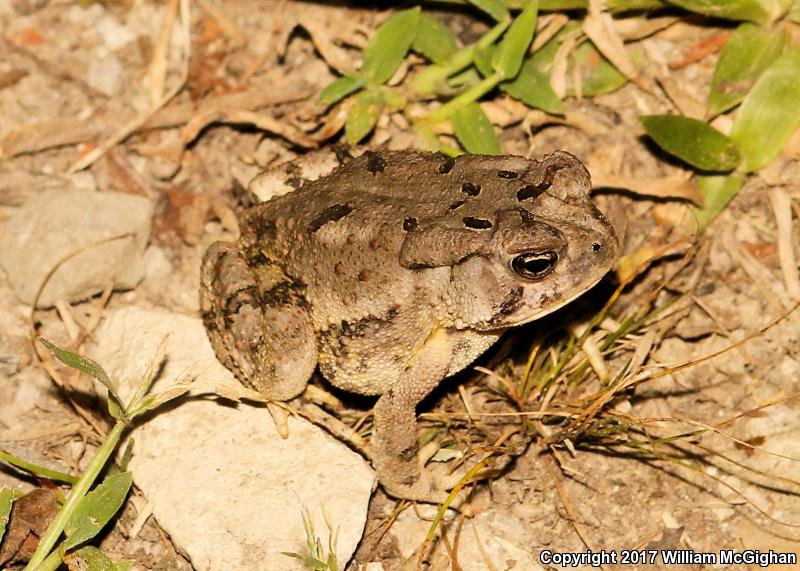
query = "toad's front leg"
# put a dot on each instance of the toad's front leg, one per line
(394, 447)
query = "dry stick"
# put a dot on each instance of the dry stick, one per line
(126, 130)
(570, 509)
(782, 207)
(158, 66)
(226, 24)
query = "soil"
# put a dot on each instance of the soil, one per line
(73, 74)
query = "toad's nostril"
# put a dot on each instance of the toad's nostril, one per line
(596, 247)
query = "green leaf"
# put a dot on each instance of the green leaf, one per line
(598, 75)
(341, 88)
(390, 44)
(770, 113)
(434, 40)
(746, 54)
(96, 509)
(363, 115)
(693, 141)
(86, 365)
(514, 45)
(495, 8)
(751, 10)
(474, 130)
(717, 191)
(483, 60)
(37, 469)
(94, 559)
(6, 501)
(532, 87)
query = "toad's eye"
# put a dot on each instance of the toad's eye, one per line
(535, 266)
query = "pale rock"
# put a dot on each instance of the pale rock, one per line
(114, 34)
(491, 536)
(225, 486)
(105, 73)
(53, 225)
(156, 263)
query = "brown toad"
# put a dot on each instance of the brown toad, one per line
(395, 271)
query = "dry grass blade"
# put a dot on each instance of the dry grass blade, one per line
(131, 126)
(782, 208)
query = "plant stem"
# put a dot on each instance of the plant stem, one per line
(426, 81)
(77, 493)
(51, 563)
(469, 96)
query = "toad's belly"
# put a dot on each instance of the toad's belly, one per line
(371, 359)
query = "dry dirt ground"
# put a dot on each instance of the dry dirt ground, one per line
(74, 75)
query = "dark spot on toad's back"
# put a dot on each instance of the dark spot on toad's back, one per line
(375, 162)
(409, 224)
(295, 182)
(457, 204)
(330, 214)
(477, 223)
(532, 191)
(471, 189)
(447, 165)
(507, 174)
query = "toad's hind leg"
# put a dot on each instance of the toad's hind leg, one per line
(257, 322)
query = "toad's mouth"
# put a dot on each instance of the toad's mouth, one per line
(552, 305)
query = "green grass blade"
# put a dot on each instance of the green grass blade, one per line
(744, 57)
(514, 45)
(750, 10)
(341, 88)
(97, 508)
(693, 141)
(474, 130)
(717, 191)
(770, 113)
(54, 475)
(434, 40)
(6, 501)
(390, 44)
(494, 8)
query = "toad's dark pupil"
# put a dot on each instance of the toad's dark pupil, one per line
(535, 266)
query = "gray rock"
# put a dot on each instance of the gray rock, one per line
(56, 224)
(226, 487)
